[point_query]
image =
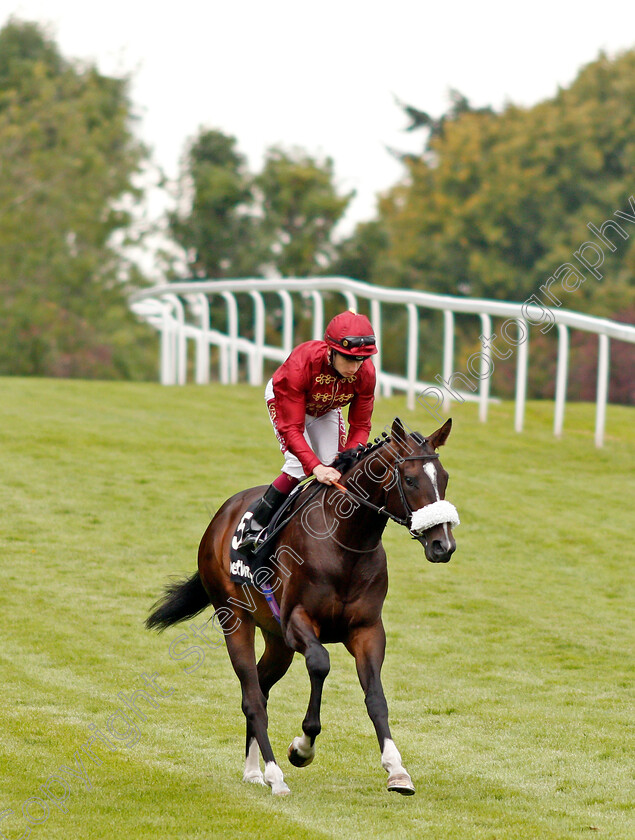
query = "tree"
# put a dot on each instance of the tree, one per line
(231, 223)
(69, 158)
(360, 256)
(300, 208)
(215, 223)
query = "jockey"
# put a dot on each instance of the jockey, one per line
(305, 398)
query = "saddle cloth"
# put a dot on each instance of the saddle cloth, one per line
(244, 564)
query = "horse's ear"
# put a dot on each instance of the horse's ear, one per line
(439, 437)
(398, 433)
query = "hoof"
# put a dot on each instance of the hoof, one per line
(256, 778)
(281, 790)
(401, 783)
(299, 760)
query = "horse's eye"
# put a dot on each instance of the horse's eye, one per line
(409, 481)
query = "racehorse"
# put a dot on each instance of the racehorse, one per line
(330, 582)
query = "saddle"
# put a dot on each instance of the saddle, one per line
(246, 562)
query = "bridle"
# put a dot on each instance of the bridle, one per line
(399, 460)
(405, 521)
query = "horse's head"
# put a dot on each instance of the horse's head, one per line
(408, 485)
(419, 486)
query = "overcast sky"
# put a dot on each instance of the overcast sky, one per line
(324, 75)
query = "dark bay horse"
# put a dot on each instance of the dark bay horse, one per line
(329, 575)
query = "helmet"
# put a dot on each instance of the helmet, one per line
(351, 335)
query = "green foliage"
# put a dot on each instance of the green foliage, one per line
(300, 207)
(231, 223)
(215, 224)
(68, 160)
(361, 255)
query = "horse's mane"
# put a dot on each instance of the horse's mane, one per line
(347, 459)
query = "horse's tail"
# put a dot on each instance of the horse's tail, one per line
(181, 599)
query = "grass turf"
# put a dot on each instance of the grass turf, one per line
(507, 671)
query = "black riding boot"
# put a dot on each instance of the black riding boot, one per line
(262, 516)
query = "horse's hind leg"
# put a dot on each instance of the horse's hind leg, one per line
(301, 635)
(240, 646)
(368, 646)
(273, 665)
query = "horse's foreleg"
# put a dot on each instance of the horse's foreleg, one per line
(368, 646)
(301, 636)
(240, 646)
(272, 666)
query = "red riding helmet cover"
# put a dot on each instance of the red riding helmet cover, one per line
(351, 335)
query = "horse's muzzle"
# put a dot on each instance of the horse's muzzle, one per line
(438, 547)
(441, 550)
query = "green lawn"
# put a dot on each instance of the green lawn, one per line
(508, 671)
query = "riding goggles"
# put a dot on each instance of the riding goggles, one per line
(355, 341)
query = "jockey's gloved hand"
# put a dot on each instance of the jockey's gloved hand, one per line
(326, 475)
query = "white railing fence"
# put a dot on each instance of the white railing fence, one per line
(181, 313)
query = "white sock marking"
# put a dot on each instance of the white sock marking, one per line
(275, 779)
(391, 759)
(252, 771)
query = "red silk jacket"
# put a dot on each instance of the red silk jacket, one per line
(307, 383)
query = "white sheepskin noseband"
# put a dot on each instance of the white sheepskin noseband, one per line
(435, 514)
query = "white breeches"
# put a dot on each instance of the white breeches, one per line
(323, 434)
